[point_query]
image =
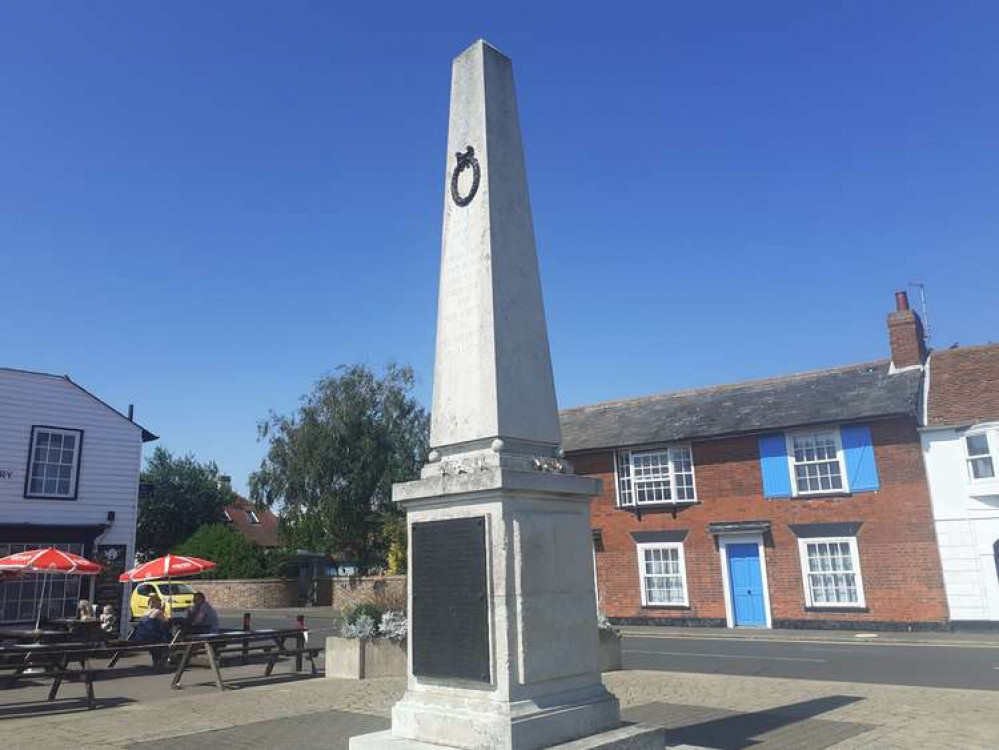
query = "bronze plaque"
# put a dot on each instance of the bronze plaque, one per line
(450, 625)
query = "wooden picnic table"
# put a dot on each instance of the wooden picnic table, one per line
(87, 629)
(57, 660)
(274, 643)
(53, 660)
(35, 635)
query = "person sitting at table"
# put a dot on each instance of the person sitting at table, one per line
(108, 624)
(84, 610)
(154, 627)
(202, 617)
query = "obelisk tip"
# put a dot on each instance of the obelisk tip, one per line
(485, 46)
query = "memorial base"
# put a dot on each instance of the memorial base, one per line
(624, 737)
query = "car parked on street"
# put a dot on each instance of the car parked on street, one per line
(177, 598)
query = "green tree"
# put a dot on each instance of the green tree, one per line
(394, 533)
(332, 463)
(234, 555)
(187, 494)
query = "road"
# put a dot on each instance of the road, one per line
(950, 666)
(918, 664)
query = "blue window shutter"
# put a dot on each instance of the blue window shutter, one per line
(858, 453)
(773, 465)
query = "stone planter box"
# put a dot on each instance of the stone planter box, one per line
(364, 658)
(359, 659)
(609, 651)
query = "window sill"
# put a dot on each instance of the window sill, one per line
(666, 606)
(661, 504)
(983, 488)
(823, 496)
(57, 498)
(838, 608)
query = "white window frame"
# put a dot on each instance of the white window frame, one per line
(228, 517)
(992, 443)
(630, 479)
(789, 443)
(254, 518)
(678, 546)
(803, 543)
(74, 469)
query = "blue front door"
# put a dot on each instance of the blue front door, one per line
(746, 585)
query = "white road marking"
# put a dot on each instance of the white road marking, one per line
(727, 656)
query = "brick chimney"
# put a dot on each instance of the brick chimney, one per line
(905, 334)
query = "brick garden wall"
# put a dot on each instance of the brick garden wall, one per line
(388, 592)
(252, 594)
(900, 564)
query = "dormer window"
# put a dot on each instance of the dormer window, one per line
(252, 515)
(228, 517)
(655, 476)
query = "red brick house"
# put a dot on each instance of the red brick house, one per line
(797, 501)
(258, 525)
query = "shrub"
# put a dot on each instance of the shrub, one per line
(362, 627)
(394, 626)
(604, 624)
(371, 611)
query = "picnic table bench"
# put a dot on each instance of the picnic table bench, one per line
(58, 661)
(50, 660)
(218, 646)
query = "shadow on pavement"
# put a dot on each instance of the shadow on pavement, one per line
(789, 726)
(328, 730)
(69, 705)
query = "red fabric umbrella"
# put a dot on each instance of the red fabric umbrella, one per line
(49, 560)
(46, 561)
(167, 566)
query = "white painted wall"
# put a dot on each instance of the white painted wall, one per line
(110, 460)
(967, 525)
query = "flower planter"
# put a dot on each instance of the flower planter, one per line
(609, 651)
(364, 658)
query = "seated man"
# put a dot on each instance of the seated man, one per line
(202, 617)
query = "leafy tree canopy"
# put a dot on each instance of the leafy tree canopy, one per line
(187, 494)
(234, 555)
(332, 463)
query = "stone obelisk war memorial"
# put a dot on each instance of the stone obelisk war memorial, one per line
(503, 620)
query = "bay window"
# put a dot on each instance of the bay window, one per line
(655, 475)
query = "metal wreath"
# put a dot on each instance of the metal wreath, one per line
(465, 160)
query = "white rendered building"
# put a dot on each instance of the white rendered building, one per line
(960, 441)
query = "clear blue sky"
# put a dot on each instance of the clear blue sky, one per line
(206, 206)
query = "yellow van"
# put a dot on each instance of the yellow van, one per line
(177, 598)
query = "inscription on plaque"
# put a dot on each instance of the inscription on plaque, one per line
(450, 611)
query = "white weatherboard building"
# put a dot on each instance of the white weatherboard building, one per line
(960, 442)
(69, 478)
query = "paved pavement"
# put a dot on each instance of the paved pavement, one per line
(942, 638)
(940, 664)
(715, 711)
